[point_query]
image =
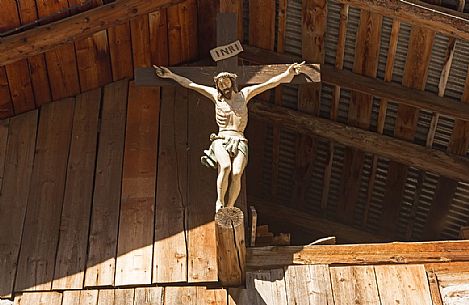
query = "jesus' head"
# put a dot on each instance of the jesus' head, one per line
(226, 84)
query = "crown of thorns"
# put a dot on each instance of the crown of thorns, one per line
(224, 75)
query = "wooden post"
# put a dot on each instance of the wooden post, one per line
(231, 246)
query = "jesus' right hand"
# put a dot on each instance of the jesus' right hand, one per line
(163, 72)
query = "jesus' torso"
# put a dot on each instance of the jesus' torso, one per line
(232, 115)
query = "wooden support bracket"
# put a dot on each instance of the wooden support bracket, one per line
(231, 246)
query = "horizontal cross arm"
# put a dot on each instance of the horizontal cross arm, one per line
(247, 75)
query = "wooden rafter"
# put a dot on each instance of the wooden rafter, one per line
(436, 18)
(367, 254)
(401, 151)
(47, 37)
(367, 85)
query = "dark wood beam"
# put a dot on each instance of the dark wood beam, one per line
(312, 224)
(47, 37)
(404, 152)
(434, 17)
(371, 86)
(247, 75)
(362, 254)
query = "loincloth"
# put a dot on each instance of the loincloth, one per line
(232, 144)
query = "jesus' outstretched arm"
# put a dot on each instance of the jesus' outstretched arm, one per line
(206, 91)
(287, 76)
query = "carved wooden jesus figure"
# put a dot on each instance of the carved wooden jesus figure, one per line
(229, 149)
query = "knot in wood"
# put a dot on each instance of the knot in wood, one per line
(227, 217)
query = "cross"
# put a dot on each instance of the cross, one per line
(229, 149)
(247, 75)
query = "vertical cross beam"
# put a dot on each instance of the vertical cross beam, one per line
(227, 33)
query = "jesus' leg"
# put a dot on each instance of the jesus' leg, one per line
(224, 169)
(237, 169)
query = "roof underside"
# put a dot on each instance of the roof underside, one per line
(342, 182)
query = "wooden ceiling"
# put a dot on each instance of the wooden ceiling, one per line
(310, 174)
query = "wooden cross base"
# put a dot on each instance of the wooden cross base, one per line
(231, 246)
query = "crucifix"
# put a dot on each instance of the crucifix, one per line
(228, 152)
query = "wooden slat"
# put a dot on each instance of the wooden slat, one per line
(182, 33)
(120, 47)
(39, 298)
(37, 63)
(158, 22)
(415, 76)
(269, 286)
(311, 224)
(81, 297)
(18, 73)
(135, 242)
(262, 29)
(124, 296)
(149, 296)
(354, 285)
(61, 62)
(140, 33)
(454, 288)
(100, 266)
(211, 296)
(75, 220)
(4, 127)
(364, 254)
(207, 30)
(106, 297)
(434, 289)
(18, 162)
(308, 285)
(93, 60)
(202, 259)
(398, 150)
(433, 18)
(170, 252)
(42, 223)
(180, 295)
(47, 37)
(6, 105)
(359, 113)
(403, 285)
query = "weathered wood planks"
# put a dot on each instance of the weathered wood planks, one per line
(170, 252)
(135, 241)
(42, 223)
(18, 160)
(354, 285)
(308, 285)
(100, 267)
(75, 219)
(120, 48)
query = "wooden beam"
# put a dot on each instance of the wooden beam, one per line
(47, 37)
(247, 75)
(398, 150)
(360, 254)
(383, 89)
(312, 224)
(436, 18)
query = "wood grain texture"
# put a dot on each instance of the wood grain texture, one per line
(120, 48)
(124, 296)
(149, 296)
(262, 29)
(211, 296)
(308, 285)
(182, 32)
(73, 242)
(42, 223)
(403, 285)
(236, 7)
(398, 150)
(201, 243)
(93, 60)
(6, 105)
(47, 37)
(158, 22)
(136, 223)
(4, 128)
(39, 298)
(354, 285)
(100, 266)
(267, 287)
(19, 156)
(180, 295)
(140, 33)
(170, 252)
